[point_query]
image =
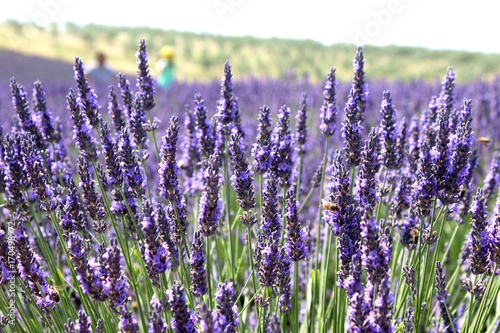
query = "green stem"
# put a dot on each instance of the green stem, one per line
(209, 277)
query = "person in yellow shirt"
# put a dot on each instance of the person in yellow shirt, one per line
(165, 67)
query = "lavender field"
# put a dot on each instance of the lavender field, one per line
(256, 205)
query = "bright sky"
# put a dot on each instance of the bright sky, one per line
(429, 23)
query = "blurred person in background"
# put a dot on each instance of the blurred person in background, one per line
(98, 72)
(165, 67)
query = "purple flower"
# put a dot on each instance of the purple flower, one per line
(282, 142)
(382, 308)
(43, 115)
(137, 121)
(156, 322)
(268, 258)
(26, 121)
(447, 95)
(183, 319)
(129, 164)
(389, 132)
(167, 227)
(425, 187)
(284, 281)
(349, 242)
(87, 99)
(271, 218)
(226, 104)
(114, 110)
(145, 83)
(226, 314)
(479, 237)
(401, 199)
(358, 83)
(365, 191)
(494, 245)
(203, 128)
(193, 174)
(197, 261)
(116, 285)
(81, 325)
(154, 252)
(210, 203)
(169, 171)
(295, 237)
(87, 271)
(352, 129)
(329, 108)
(127, 323)
(207, 323)
(111, 158)
(414, 145)
(441, 152)
(301, 126)
(242, 179)
(82, 130)
(262, 151)
(93, 202)
(126, 94)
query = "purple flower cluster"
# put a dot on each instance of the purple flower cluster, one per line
(329, 109)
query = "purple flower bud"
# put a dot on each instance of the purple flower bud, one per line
(115, 174)
(93, 202)
(282, 142)
(271, 218)
(183, 319)
(156, 322)
(295, 237)
(210, 203)
(207, 323)
(493, 177)
(284, 281)
(301, 126)
(82, 130)
(115, 111)
(203, 128)
(137, 121)
(358, 83)
(43, 115)
(479, 237)
(389, 132)
(365, 191)
(442, 296)
(447, 95)
(262, 151)
(242, 180)
(197, 261)
(127, 96)
(329, 108)
(116, 285)
(87, 99)
(127, 323)
(145, 83)
(352, 129)
(226, 314)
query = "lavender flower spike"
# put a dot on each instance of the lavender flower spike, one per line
(262, 151)
(242, 180)
(116, 284)
(301, 126)
(126, 94)
(365, 191)
(210, 202)
(156, 323)
(43, 115)
(389, 132)
(82, 132)
(295, 237)
(479, 238)
(226, 104)
(203, 128)
(115, 111)
(284, 283)
(329, 108)
(442, 297)
(271, 218)
(358, 83)
(493, 177)
(169, 171)
(494, 245)
(183, 319)
(283, 142)
(145, 83)
(352, 130)
(197, 261)
(87, 99)
(207, 323)
(26, 121)
(226, 314)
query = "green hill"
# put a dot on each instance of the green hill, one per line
(201, 56)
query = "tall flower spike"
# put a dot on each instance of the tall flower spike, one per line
(268, 258)
(352, 129)
(191, 156)
(115, 175)
(210, 202)
(283, 144)
(87, 99)
(301, 126)
(358, 83)
(36, 173)
(442, 296)
(441, 151)
(43, 115)
(226, 104)
(156, 322)
(145, 83)
(389, 132)
(414, 145)
(155, 253)
(494, 245)
(93, 202)
(16, 181)
(127, 96)
(203, 127)
(82, 132)
(295, 237)
(284, 281)
(166, 227)
(479, 237)
(401, 145)
(459, 161)
(242, 180)
(87, 271)
(116, 283)
(207, 323)
(365, 191)
(226, 314)
(271, 217)
(129, 164)
(425, 187)
(169, 171)
(447, 95)
(73, 216)
(138, 120)
(127, 322)
(383, 308)
(114, 110)
(329, 108)
(462, 206)
(197, 261)
(29, 267)
(183, 319)
(26, 121)
(262, 151)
